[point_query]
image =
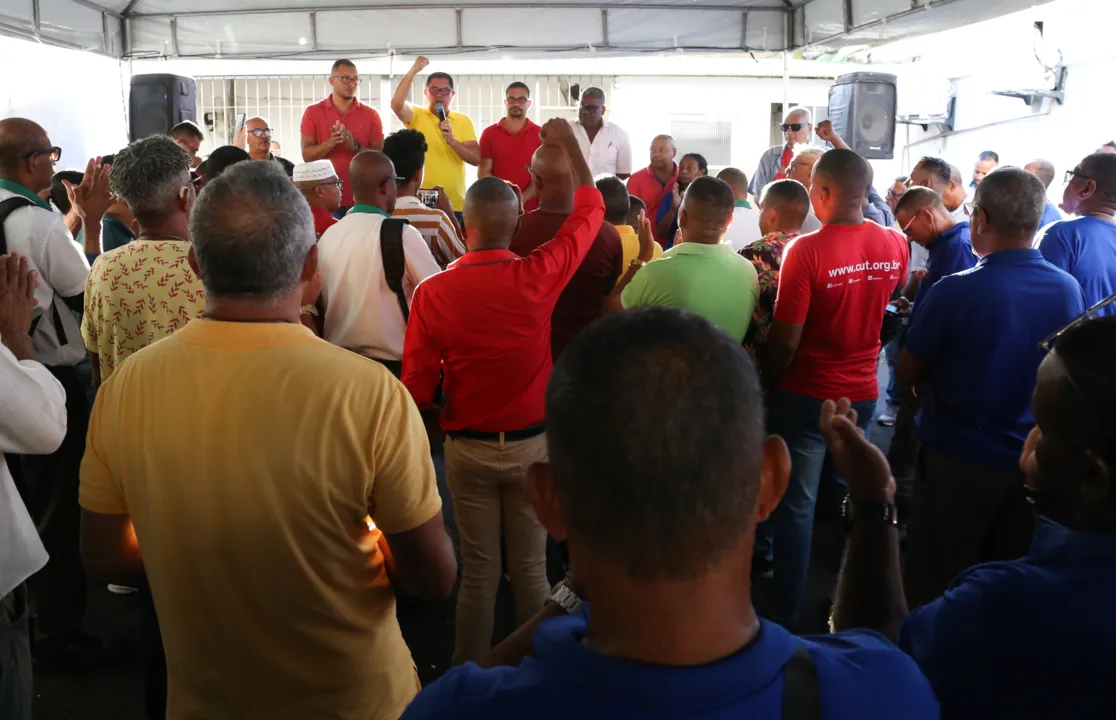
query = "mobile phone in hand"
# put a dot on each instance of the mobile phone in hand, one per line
(429, 198)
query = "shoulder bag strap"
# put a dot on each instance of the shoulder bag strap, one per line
(391, 251)
(801, 690)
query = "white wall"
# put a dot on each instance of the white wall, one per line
(78, 97)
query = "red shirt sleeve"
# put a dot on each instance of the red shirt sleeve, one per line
(377, 128)
(486, 143)
(422, 358)
(796, 282)
(309, 127)
(553, 263)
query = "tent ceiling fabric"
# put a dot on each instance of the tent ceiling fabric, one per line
(298, 28)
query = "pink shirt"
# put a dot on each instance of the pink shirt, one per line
(361, 120)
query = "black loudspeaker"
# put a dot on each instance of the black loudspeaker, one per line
(862, 109)
(159, 102)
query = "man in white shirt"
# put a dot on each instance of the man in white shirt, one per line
(34, 231)
(33, 421)
(605, 145)
(362, 312)
(745, 228)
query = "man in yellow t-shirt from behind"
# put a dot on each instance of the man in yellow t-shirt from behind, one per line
(450, 138)
(238, 461)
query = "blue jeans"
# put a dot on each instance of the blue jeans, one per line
(790, 529)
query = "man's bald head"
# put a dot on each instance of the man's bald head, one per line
(491, 214)
(1044, 169)
(663, 153)
(916, 199)
(19, 136)
(372, 176)
(1101, 168)
(737, 180)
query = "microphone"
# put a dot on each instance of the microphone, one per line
(440, 109)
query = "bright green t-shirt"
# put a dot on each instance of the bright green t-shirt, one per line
(709, 280)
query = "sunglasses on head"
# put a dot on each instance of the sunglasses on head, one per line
(793, 127)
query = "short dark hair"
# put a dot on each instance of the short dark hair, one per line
(714, 198)
(1013, 200)
(407, 151)
(917, 198)
(595, 92)
(222, 158)
(736, 179)
(440, 76)
(702, 163)
(789, 197)
(616, 199)
(343, 62)
(989, 155)
(58, 194)
(187, 129)
(847, 171)
(1045, 171)
(1087, 353)
(516, 86)
(937, 167)
(1101, 167)
(654, 421)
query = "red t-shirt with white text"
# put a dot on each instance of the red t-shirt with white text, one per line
(836, 282)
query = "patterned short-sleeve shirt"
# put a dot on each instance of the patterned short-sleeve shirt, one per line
(766, 254)
(137, 294)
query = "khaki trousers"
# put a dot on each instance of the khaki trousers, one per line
(487, 479)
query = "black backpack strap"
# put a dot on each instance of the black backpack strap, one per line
(801, 689)
(391, 251)
(7, 207)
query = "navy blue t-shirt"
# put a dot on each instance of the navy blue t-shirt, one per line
(951, 252)
(978, 331)
(1028, 638)
(1085, 247)
(861, 675)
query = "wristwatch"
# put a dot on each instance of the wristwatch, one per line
(636, 262)
(852, 510)
(309, 310)
(567, 599)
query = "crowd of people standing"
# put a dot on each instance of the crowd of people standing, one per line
(657, 369)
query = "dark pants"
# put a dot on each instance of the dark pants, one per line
(15, 656)
(50, 491)
(964, 514)
(152, 655)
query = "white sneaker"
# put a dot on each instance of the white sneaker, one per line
(887, 419)
(122, 589)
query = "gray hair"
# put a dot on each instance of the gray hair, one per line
(803, 150)
(1013, 201)
(799, 109)
(251, 230)
(148, 175)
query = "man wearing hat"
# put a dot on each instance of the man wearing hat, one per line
(319, 184)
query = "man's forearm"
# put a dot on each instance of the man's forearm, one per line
(73, 221)
(91, 237)
(775, 361)
(662, 228)
(581, 172)
(870, 586)
(310, 153)
(469, 153)
(614, 301)
(402, 90)
(521, 643)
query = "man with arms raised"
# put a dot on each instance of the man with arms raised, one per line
(340, 126)
(605, 145)
(972, 353)
(656, 439)
(451, 140)
(507, 146)
(824, 343)
(484, 324)
(798, 128)
(1085, 246)
(582, 300)
(266, 509)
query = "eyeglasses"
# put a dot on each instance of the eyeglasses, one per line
(591, 108)
(793, 127)
(1049, 341)
(347, 79)
(1071, 174)
(54, 152)
(261, 133)
(907, 227)
(440, 90)
(518, 100)
(336, 183)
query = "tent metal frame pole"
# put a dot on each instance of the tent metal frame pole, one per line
(440, 6)
(604, 27)
(35, 18)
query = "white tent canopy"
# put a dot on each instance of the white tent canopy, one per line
(363, 28)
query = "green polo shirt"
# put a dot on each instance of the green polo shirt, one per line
(710, 280)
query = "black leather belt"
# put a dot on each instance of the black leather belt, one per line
(523, 434)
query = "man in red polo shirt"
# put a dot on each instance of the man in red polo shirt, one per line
(507, 146)
(485, 324)
(340, 126)
(582, 301)
(657, 179)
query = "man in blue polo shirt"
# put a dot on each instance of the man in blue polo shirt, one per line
(672, 632)
(1027, 638)
(972, 353)
(1085, 246)
(924, 219)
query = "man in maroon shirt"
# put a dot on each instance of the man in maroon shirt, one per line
(485, 324)
(583, 300)
(507, 146)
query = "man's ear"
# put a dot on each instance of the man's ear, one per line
(310, 265)
(1096, 486)
(543, 498)
(774, 475)
(683, 218)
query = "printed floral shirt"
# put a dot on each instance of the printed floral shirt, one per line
(766, 254)
(137, 294)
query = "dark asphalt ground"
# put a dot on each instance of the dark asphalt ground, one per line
(115, 690)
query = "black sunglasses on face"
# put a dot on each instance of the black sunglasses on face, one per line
(793, 127)
(54, 152)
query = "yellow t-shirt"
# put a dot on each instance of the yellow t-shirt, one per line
(248, 455)
(136, 294)
(443, 166)
(630, 240)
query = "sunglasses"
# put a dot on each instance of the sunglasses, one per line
(260, 133)
(793, 127)
(907, 227)
(1050, 340)
(54, 152)
(336, 183)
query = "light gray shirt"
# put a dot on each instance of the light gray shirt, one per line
(767, 170)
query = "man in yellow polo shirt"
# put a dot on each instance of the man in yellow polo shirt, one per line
(450, 138)
(241, 463)
(617, 206)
